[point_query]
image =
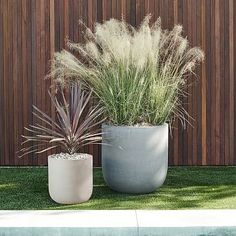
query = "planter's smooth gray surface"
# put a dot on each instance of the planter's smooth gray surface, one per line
(136, 158)
(70, 181)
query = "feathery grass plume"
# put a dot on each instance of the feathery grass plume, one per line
(75, 126)
(137, 74)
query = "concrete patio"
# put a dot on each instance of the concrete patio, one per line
(119, 222)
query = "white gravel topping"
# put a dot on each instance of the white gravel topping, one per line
(67, 156)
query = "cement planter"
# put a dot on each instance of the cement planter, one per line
(70, 181)
(136, 159)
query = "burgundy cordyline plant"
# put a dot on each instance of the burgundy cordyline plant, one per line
(74, 127)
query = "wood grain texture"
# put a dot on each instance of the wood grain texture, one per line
(32, 30)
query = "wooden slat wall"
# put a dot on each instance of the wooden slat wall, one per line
(31, 30)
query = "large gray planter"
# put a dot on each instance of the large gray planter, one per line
(70, 181)
(136, 158)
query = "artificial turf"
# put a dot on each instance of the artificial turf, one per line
(184, 188)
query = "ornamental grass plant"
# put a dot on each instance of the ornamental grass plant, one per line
(138, 75)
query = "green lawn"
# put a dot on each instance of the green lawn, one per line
(185, 188)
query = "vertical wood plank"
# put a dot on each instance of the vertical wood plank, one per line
(224, 124)
(181, 131)
(175, 143)
(185, 140)
(233, 71)
(195, 96)
(232, 76)
(6, 32)
(217, 80)
(212, 86)
(2, 144)
(14, 83)
(34, 65)
(203, 87)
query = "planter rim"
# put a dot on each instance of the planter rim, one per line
(134, 127)
(88, 156)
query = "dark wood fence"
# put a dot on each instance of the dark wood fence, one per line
(31, 30)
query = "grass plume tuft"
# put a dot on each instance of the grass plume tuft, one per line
(138, 75)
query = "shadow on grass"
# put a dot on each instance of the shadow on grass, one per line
(185, 187)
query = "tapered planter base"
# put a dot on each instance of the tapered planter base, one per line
(136, 159)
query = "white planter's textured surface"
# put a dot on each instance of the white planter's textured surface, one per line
(136, 159)
(70, 181)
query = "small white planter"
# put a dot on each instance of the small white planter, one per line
(136, 159)
(70, 181)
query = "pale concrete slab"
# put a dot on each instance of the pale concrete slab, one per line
(118, 223)
(186, 218)
(68, 218)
